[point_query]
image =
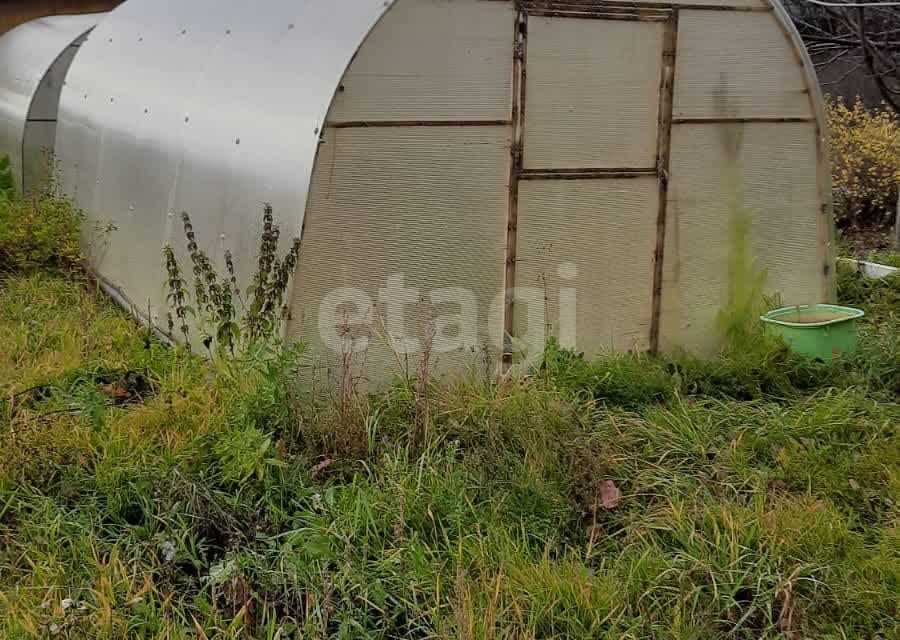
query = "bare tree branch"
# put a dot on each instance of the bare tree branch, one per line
(864, 36)
(869, 59)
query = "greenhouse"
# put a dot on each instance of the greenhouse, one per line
(493, 172)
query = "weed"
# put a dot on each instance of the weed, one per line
(214, 296)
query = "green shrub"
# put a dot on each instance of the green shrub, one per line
(38, 232)
(7, 188)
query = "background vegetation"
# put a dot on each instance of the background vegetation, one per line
(37, 232)
(865, 150)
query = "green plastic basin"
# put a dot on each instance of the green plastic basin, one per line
(823, 331)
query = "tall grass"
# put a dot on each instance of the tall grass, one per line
(146, 493)
(749, 503)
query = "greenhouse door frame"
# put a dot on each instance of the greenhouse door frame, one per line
(590, 10)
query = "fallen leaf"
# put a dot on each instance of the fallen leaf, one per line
(609, 495)
(115, 391)
(320, 468)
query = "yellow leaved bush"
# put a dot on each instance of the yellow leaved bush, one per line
(865, 161)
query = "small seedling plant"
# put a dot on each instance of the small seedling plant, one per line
(230, 321)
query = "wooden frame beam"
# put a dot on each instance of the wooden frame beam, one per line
(663, 163)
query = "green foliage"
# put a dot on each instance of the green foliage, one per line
(878, 297)
(7, 186)
(876, 364)
(766, 370)
(750, 496)
(624, 381)
(38, 232)
(889, 258)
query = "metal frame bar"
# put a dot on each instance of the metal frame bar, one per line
(365, 124)
(605, 15)
(741, 120)
(534, 6)
(587, 174)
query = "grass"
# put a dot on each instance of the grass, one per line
(889, 258)
(144, 494)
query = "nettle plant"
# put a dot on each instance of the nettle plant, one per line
(230, 321)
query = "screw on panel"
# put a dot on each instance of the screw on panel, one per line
(237, 140)
(227, 32)
(187, 118)
(183, 31)
(146, 110)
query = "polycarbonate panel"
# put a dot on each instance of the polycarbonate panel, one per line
(591, 241)
(26, 54)
(37, 152)
(208, 107)
(720, 172)
(427, 205)
(592, 93)
(433, 60)
(45, 102)
(737, 65)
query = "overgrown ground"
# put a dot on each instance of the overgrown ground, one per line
(144, 495)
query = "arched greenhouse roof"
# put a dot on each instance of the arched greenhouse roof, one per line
(27, 53)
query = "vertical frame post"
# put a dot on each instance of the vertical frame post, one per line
(663, 161)
(517, 150)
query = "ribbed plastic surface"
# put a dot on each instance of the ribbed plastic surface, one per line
(592, 85)
(737, 65)
(769, 171)
(598, 237)
(432, 60)
(427, 204)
